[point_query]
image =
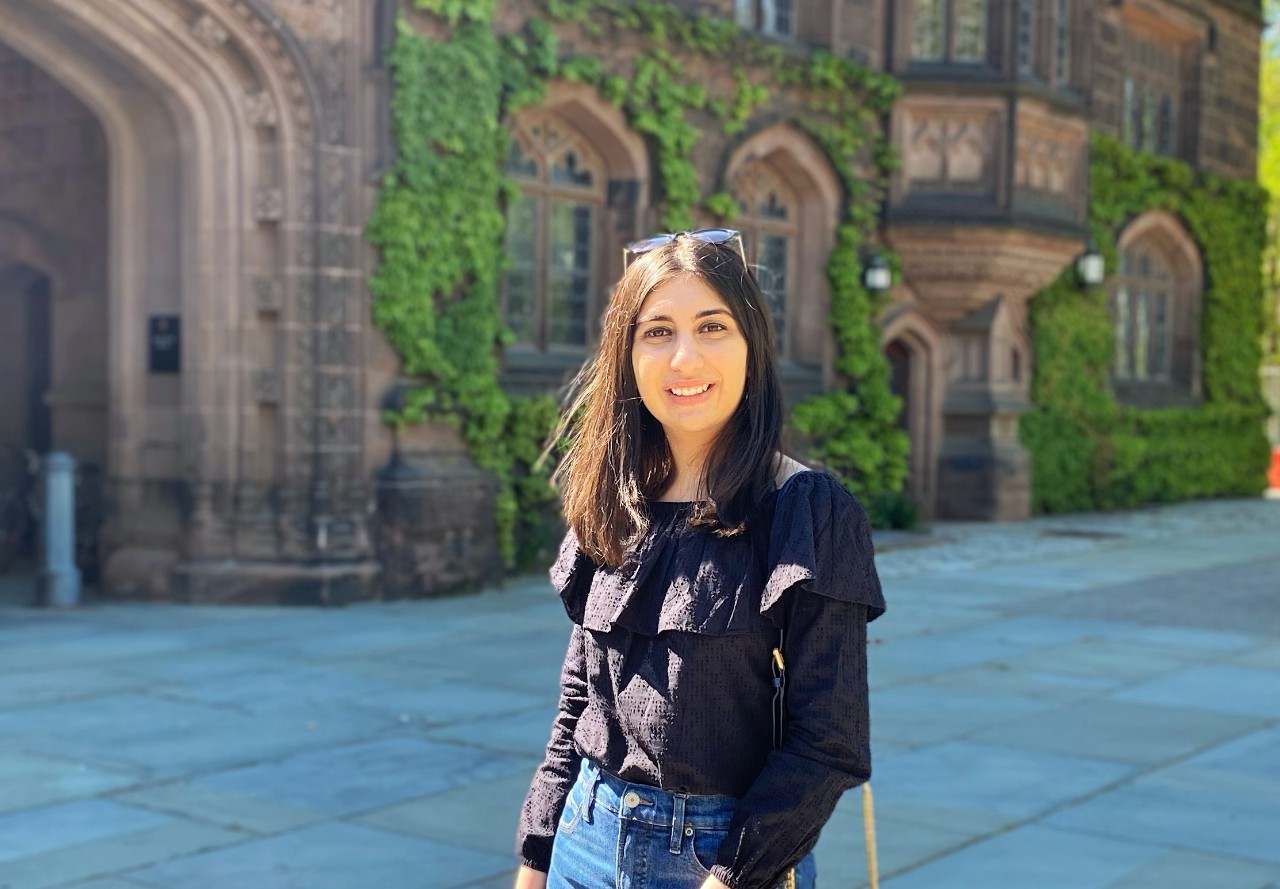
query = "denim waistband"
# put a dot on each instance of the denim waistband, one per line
(652, 805)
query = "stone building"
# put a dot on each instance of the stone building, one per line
(184, 187)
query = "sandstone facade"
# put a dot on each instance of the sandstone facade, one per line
(189, 180)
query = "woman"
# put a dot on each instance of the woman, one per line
(695, 548)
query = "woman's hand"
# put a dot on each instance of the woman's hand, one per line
(712, 883)
(528, 878)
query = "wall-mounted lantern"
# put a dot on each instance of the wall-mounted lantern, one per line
(877, 277)
(1090, 268)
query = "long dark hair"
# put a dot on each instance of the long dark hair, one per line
(618, 455)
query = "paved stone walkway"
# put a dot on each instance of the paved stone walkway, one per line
(1084, 702)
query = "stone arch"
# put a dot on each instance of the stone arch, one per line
(219, 180)
(799, 159)
(1169, 231)
(905, 325)
(603, 125)
(789, 153)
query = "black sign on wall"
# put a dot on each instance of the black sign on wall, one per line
(164, 339)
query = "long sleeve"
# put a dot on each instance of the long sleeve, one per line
(555, 776)
(826, 751)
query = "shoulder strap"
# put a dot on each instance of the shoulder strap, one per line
(788, 468)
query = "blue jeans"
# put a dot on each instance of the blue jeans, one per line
(616, 835)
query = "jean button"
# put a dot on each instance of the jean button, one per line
(632, 799)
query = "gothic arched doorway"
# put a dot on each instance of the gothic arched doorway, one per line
(221, 259)
(912, 351)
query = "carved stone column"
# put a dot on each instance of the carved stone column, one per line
(984, 472)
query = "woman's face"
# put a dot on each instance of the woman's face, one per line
(690, 360)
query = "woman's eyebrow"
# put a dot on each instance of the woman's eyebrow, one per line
(704, 313)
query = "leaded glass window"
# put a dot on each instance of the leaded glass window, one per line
(1129, 113)
(1061, 42)
(929, 35)
(768, 221)
(1148, 141)
(1026, 35)
(1142, 334)
(1141, 312)
(550, 285)
(522, 249)
(1165, 140)
(773, 258)
(1121, 313)
(776, 18)
(949, 31)
(1151, 101)
(1160, 333)
(971, 30)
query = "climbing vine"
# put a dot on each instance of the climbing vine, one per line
(439, 221)
(1090, 452)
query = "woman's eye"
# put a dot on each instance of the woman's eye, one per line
(714, 327)
(654, 332)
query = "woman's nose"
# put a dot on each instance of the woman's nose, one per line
(686, 355)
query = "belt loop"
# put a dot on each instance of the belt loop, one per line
(677, 824)
(591, 791)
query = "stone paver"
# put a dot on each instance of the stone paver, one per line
(327, 856)
(28, 781)
(1072, 702)
(1033, 856)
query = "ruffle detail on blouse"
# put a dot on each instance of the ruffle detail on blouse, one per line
(567, 572)
(676, 578)
(821, 542)
(691, 580)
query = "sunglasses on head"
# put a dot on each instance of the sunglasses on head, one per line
(722, 236)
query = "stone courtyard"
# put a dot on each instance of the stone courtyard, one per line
(1082, 702)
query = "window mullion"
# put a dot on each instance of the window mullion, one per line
(542, 271)
(948, 30)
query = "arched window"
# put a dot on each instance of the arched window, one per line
(768, 220)
(552, 225)
(1155, 310)
(788, 199)
(949, 31)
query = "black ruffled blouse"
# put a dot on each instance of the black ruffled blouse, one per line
(667, 679)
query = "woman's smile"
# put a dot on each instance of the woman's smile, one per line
(689, 393)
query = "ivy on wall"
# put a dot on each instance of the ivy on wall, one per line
(1087, 450)
(439, 221)
(439, 227)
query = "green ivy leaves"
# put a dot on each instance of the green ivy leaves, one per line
(1088, 451)
(439, 221)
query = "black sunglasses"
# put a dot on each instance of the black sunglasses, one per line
(722, 236)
